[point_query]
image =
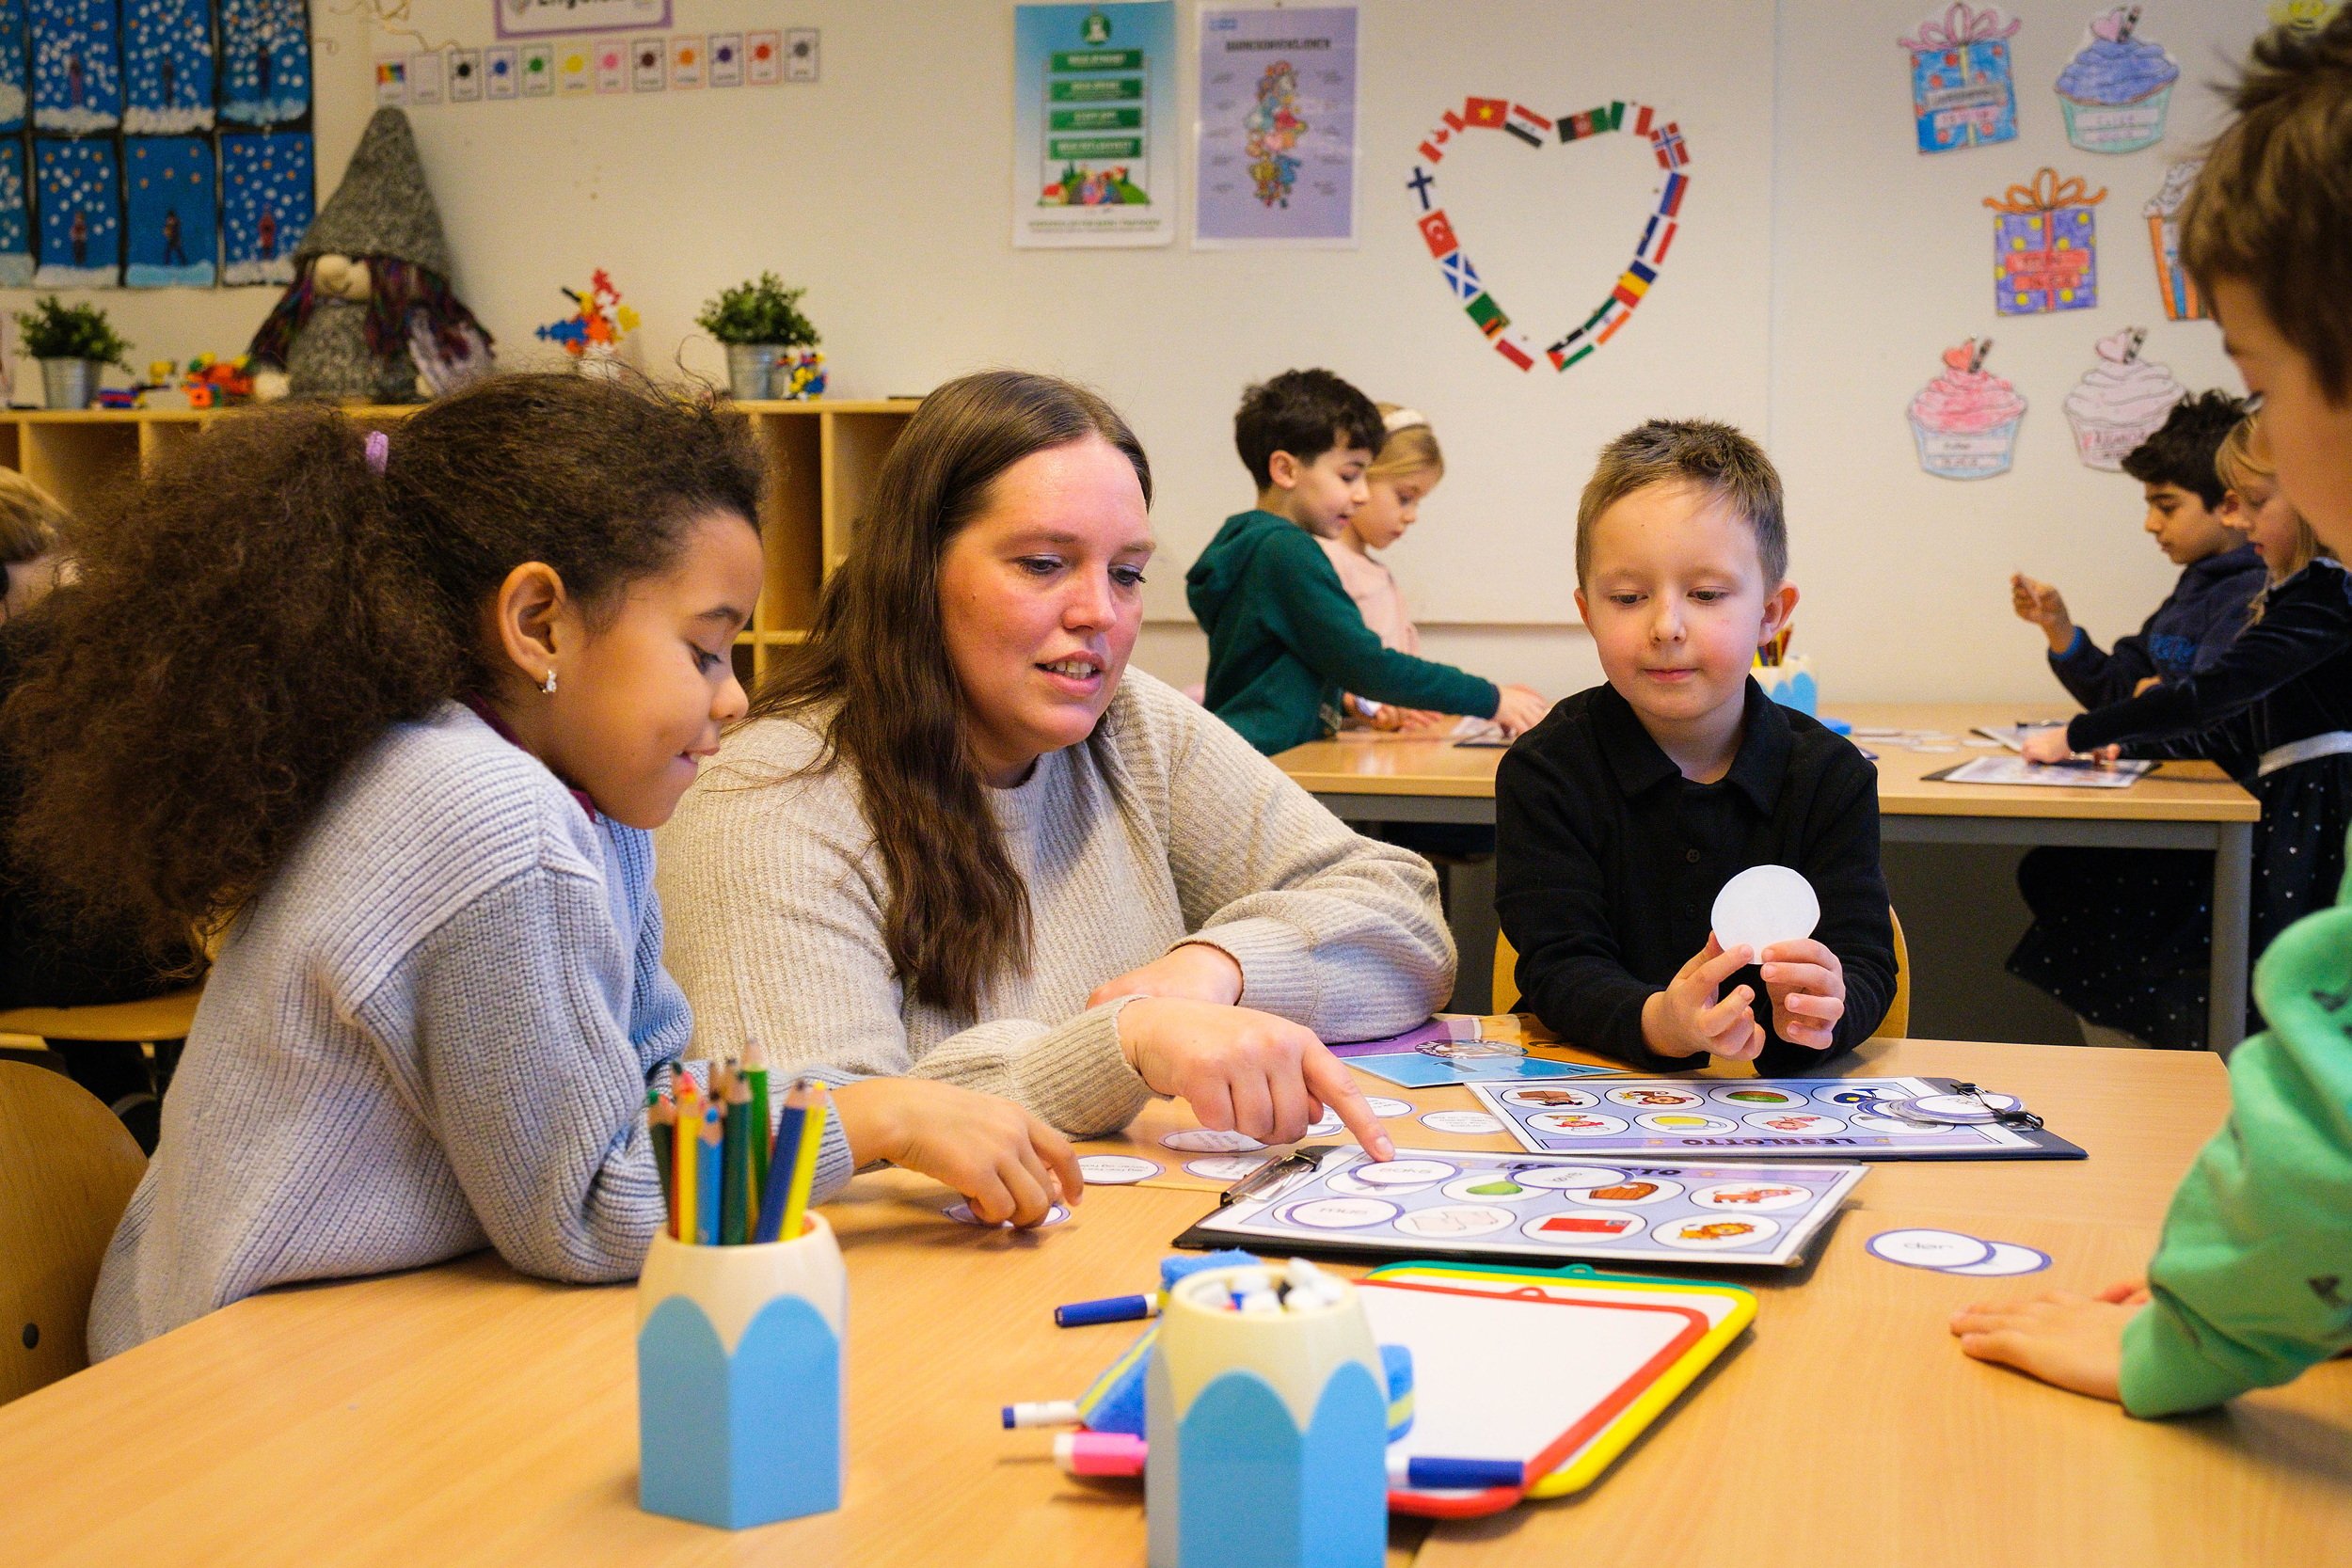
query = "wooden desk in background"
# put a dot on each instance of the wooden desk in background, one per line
(2183, 806)
(462, 1415)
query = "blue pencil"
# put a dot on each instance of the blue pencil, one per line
(773, 1201)
(708, 1149)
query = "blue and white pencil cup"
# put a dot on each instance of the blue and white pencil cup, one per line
(1269, 1432)
(740, 1418)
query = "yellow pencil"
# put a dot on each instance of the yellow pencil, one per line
(804, 1165)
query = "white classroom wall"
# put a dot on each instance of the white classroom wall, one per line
(1822, 267)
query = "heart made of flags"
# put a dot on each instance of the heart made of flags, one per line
(1538, 131)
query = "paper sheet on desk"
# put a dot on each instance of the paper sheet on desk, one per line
(2017, 770)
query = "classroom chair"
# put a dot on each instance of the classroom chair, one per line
(1895, 1026)
(67, 1169)
(162, 1022)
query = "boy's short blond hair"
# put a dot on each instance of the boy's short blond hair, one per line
(1711, 457)
(32, 524)
(2273, 203)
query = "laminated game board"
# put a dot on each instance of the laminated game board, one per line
(1337, 1202)
(1779, 1118)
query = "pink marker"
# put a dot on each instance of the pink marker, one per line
(1099, 1454)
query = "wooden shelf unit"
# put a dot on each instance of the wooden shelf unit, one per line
(822, 455)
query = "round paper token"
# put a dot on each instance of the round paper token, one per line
(1405, 1173)
(1718, 1235)
(962, 1213)
(1565, 1178)
(1659, 1096)
(1583, 1224)
(2007, 1258)
(1763, 905)
(1930, 1249)
(1748, 1097)
(1492, 1186)
(1202, 1140)
(1902, 1127)
(1958, 1107)
(1340, 1214)
(1461, 1122)
(1635, 1194)
(1689, 1123)
(1226, 1167)
(1116, 1170)
(1383, 1106)
(1454, 1219)
(1793, 1122)
(1543, 1096)
(1753, 1198)
(1577, 1124)
(1324, 1125)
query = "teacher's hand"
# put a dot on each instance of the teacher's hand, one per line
(1195, 971)
(1244, 1071)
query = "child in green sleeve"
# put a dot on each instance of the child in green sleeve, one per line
(1285, 640)
(2251, 1283)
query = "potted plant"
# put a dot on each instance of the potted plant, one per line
(74, 345)
(761, 325)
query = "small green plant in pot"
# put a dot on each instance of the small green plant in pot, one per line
(75, 344)
(761, 325)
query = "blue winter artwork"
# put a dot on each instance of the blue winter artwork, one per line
(167, 188)
(77, 80)
(79, 202)
(265, 187)
(167, 65)
(16, 234)
(264, 61)
(12, 69)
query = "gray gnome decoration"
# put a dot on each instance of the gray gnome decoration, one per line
(370, 309)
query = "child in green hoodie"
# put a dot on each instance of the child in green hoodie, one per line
(1285, 640)
(2252, 1281)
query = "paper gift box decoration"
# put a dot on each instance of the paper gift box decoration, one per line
(1963, 92)
(2175, 286)
(2045, 239)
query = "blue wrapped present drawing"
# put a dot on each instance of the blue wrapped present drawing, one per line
(2045, 246)
(1963, 92)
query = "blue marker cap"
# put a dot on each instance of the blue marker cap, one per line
(1455, 1475)
(1110, 1310)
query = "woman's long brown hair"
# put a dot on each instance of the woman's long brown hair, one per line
(874, 676)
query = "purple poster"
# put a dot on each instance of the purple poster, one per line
(1276, 159)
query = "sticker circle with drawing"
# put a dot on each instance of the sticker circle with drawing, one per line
(1116, 1170)
(1203, 1140)
(1492, 1186)
(1657, 1097)
(1454, 1219)
(1753, 1198)
(1576, 1124)
(1227, 1167)
(1634, 1193)
(1793, 1122)
(1870, 1121)
(1718, 1235)
(1747, 1097)
(1543, 1096)
(1583, 1224)
(1684, 1122)
(1462, 1123)
(1340, 1214)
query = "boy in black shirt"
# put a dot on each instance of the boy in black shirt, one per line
(1620, 816)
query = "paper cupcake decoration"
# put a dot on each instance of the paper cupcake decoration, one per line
(2115, 90)
(2045, 246)
(1965, 421)
(1962, 90)
(2121, 402)
(2175, 286)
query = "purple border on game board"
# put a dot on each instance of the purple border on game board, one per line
(1411, 1039)
(606, 27)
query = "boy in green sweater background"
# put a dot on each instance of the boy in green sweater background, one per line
(1285, 640)
(2251, 1283)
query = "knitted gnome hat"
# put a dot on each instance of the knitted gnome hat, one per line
(382, 208)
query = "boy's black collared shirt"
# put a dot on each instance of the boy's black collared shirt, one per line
(1608, 861)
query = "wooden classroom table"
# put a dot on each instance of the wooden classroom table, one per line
(464, 1415)
(2181, 806)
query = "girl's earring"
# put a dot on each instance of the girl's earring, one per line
(548, 686)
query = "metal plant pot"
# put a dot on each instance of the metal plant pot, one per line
(70, 383)
(749, 367)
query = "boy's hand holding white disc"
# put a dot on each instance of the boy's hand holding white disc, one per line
(1763, 905)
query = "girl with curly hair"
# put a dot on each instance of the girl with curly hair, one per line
(404, 712)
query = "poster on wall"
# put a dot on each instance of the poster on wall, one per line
(2045, 246)
(78, 194)
(266, 195)
(167, 65)
(1275, 160)
(170, 201)
(1094, 90)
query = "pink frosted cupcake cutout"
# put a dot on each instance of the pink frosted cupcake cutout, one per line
(1965, 421)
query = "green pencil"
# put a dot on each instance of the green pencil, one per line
(662, 1123)
(755, 1075)
(735, 1164)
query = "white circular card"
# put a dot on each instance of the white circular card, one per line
(962, 1213)
(1203, 1140)
(1763, 905)
(1461, 1122)
(2007, 1258)
(1116, 1170)
(1931, 1249)
(1383, 1106)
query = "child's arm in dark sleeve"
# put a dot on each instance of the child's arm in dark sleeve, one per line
(1327, 632)
(2296, 636)
(1551, 899)
(2095, 677)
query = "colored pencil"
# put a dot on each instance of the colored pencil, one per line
(805, 1165)
(690, 1121)
(735, 1209)
(662, 1126)
(781, 1161)
(755, 1075)
(706, 1156)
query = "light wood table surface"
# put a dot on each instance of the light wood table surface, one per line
(462, 1415)
(2181, 806)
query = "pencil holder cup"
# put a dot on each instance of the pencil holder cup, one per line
(739, 1379)
(1269, 1433)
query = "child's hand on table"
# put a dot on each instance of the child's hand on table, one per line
(2074, 1342)
(2049, 746)
(1521, 709)
(1808, 985)
(1688, 1020)
(1009, 1164)
(2045, 607)
(1243, 1070)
